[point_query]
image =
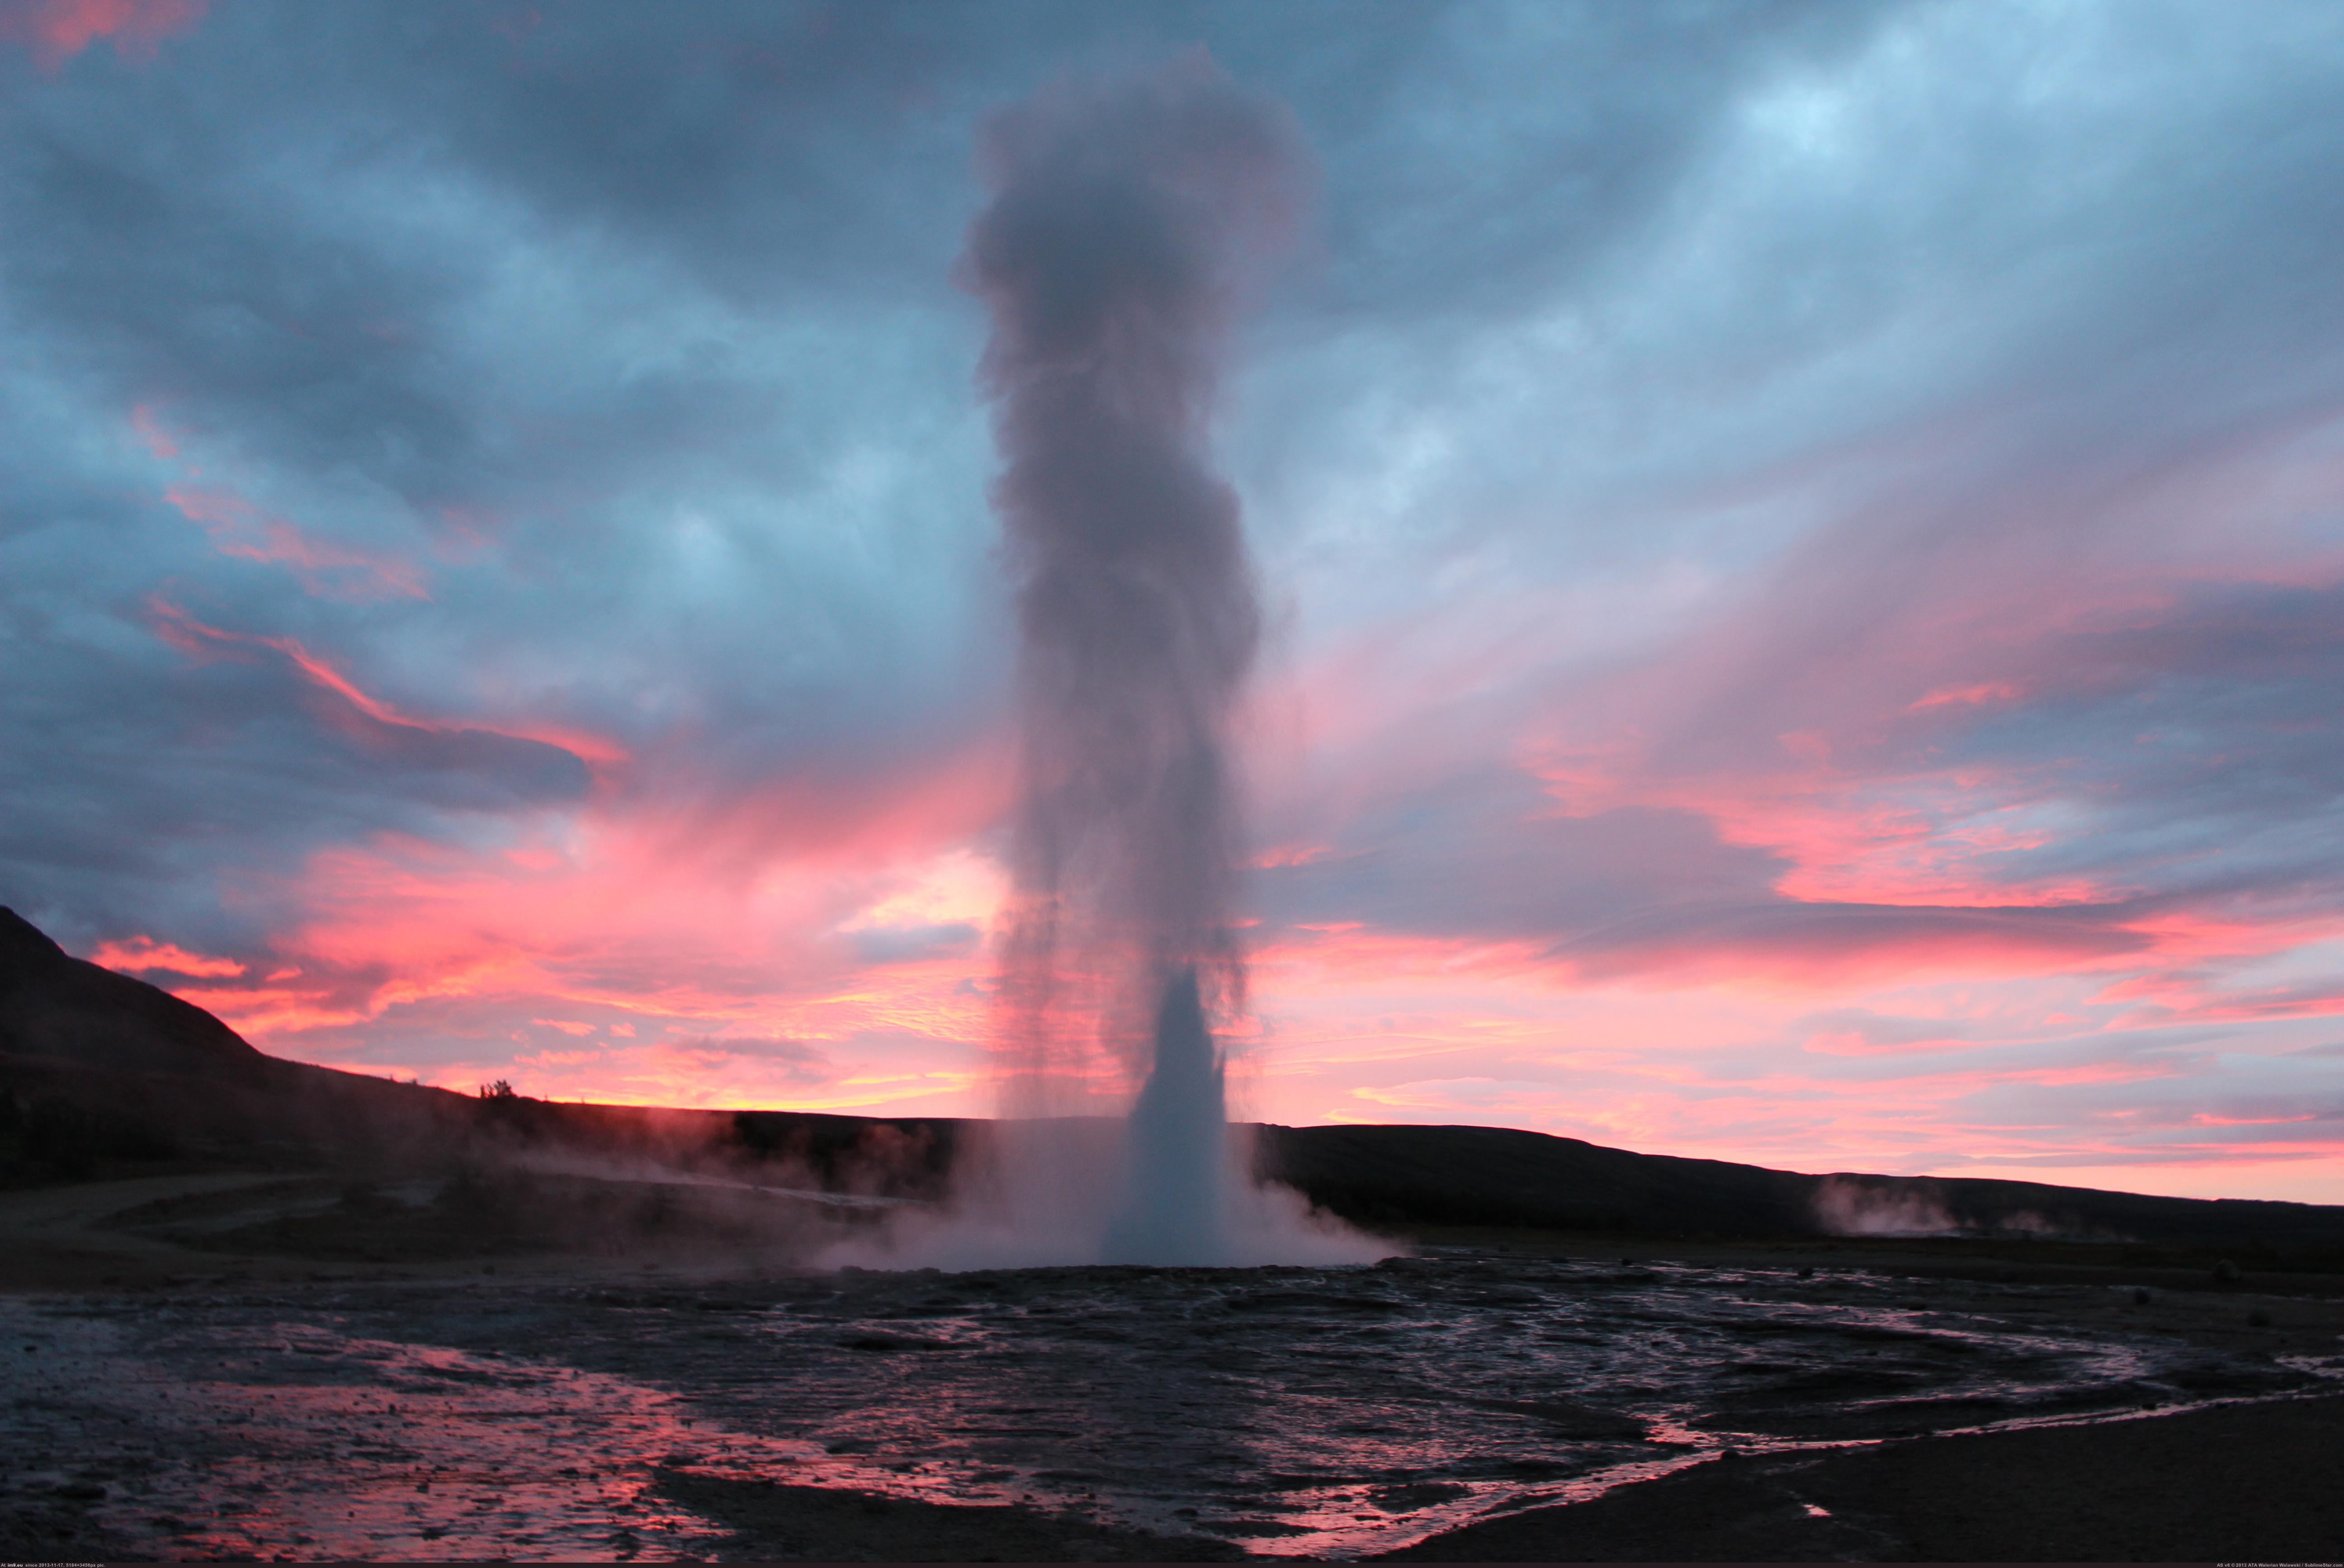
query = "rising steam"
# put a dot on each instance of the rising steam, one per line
(1131, 219)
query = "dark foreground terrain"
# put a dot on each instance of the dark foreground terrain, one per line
(1919, 1401)
(2259, 1482)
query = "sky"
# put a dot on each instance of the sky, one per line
(1803, 548)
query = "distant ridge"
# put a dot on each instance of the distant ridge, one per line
(1394, 1175)
(97, 1069)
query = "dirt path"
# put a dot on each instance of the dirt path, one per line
(53, 1238)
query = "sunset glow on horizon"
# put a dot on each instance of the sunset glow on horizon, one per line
(1804, 554)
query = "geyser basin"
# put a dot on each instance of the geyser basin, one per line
(1303, 1411)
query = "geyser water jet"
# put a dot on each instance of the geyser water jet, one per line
(1174, 1203)
(1130, 220)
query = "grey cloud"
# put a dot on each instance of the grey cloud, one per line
(1875, 1031)
(2189, 743)
(810, 1058)
(128, 769)
(1638, 889)
(913, 944)
(1827, 936)
(309, 276)
(1890, 257)
(1486, 854)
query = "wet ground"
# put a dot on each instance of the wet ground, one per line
(1304, 1411)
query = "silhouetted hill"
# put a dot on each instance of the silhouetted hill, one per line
(54, 1005)
(100, 1073)
(1501, 1177)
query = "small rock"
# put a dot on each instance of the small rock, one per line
(2258, 1318)
(2140, 1297)
(2226, 1273)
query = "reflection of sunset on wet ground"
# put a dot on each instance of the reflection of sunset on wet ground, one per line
(1296, 1411)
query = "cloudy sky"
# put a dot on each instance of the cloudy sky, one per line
(1805, 546)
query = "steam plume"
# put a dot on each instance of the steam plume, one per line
(1129, 220)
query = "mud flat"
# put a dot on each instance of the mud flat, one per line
(2259, 1482)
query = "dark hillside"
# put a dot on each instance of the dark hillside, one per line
(1498, 1176)
(2029, 1207)
(54, 1005)
(103, 1075)
(1482, 1176)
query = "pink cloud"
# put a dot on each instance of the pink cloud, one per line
(1842, 714)
(239, 529)
(2202, 997)
(1980, 694)
(161, 440)
(142, 954)
(720, 943)
(355, 711)
(57, 30)
(624, 914)
(1764, 822)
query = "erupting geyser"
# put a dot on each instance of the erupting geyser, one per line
(1174, 1206)
(1130, 219)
